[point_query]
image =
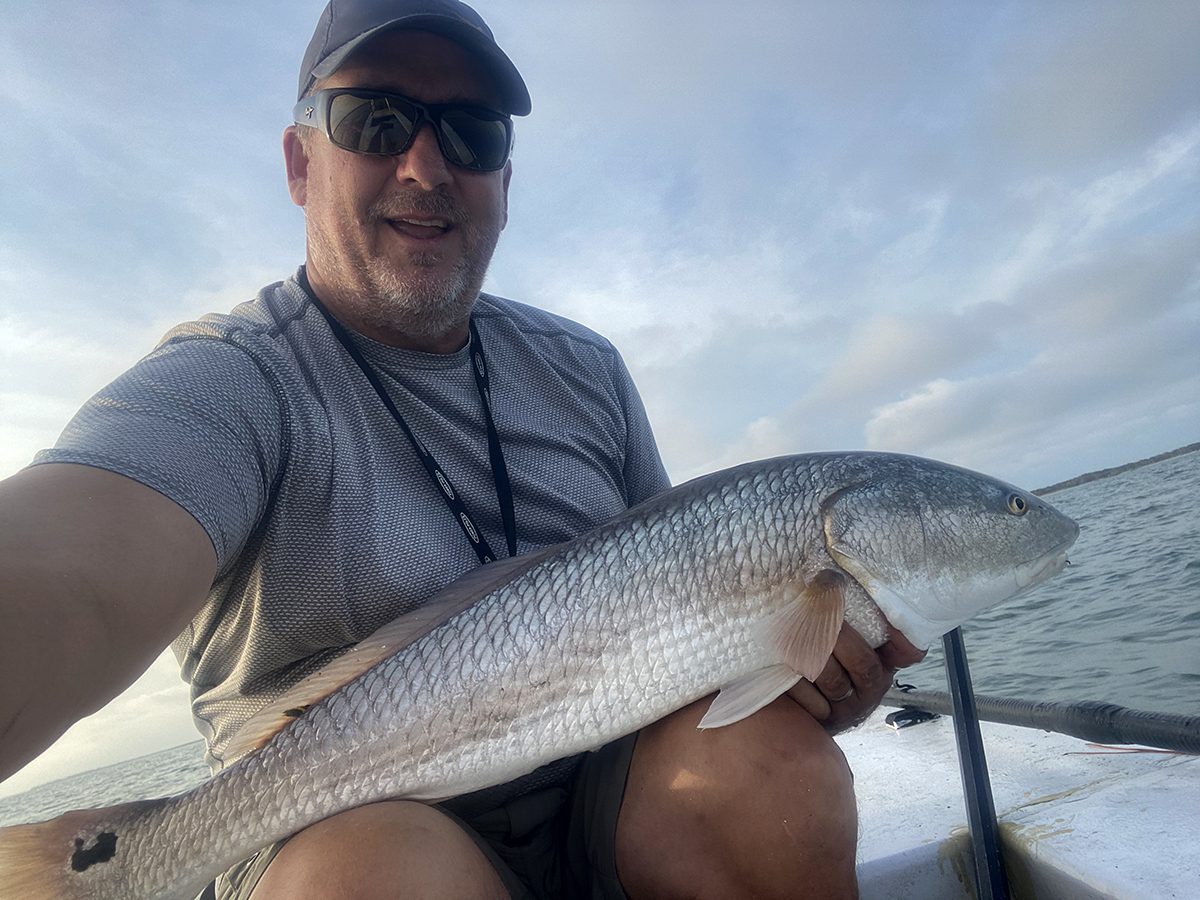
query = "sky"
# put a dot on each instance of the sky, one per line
(969, 231)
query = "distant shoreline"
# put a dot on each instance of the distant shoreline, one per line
(1117, 470)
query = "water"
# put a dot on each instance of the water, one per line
(1121, 625)
(153, 775)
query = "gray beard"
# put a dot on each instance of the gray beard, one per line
(414, 302)
(421, 307)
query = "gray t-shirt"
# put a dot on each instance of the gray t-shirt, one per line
(326, 525)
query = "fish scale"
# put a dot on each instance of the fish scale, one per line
(702, 588)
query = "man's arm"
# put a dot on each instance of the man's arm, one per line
(97, 574)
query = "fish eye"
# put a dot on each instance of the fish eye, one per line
(1017, 505)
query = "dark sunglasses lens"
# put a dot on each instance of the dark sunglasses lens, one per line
(371, 124)
(472, 140)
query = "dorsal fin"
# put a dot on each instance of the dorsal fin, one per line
(388, 640)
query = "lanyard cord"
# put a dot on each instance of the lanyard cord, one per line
(440, 480)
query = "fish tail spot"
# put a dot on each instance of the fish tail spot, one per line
(62, 859)
(102, 849)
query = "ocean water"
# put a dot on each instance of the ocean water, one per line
(1122, 625)
(153, 775)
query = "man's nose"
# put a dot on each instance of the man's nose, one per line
(423, 162)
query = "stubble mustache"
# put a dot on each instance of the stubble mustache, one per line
(420, 203)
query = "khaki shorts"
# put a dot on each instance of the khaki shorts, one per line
(556, 843)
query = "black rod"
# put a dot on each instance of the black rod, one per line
(1088, 720)
(977, 789)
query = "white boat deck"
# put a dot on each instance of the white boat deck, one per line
(1076, 822)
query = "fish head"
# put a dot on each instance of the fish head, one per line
(933, 544)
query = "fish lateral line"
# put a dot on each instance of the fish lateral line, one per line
(384, 643)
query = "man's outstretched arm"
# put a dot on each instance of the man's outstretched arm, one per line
(98, 573)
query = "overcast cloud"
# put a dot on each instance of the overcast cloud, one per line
(967, 231)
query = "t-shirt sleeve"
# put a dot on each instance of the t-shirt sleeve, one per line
(644, 473)
(199, 421)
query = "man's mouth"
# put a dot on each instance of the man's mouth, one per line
(420, 227)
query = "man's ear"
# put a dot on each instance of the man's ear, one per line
(296, 161)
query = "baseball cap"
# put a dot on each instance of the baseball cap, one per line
(346, 24)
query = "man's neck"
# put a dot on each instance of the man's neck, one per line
(450, 342)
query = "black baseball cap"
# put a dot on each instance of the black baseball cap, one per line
(346, 24)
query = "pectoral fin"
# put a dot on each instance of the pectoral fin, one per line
(804, 631)
(748, 696)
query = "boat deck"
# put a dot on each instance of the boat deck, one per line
(1077, 821)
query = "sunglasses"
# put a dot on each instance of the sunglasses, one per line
(383, 124)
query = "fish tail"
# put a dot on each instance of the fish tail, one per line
(79, 854)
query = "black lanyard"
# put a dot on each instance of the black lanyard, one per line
(440, 479)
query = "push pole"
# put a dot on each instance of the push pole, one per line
(977, 789)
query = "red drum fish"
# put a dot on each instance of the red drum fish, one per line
(736, 583)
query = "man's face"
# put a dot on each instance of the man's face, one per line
(399, 245)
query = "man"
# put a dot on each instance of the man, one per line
(272, 485)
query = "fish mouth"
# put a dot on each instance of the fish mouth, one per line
(1041, 568)
(1051, 565)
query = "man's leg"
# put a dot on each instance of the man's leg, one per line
(384, 850)
(762, 808)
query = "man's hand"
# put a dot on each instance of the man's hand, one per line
(855, 679)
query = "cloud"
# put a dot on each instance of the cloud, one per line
(886, 354)
(1016, 418)
(1078, 92)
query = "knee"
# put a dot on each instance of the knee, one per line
(784, 768)
(756, 807)
(389, 849)
(779, 756)
(790, 750)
